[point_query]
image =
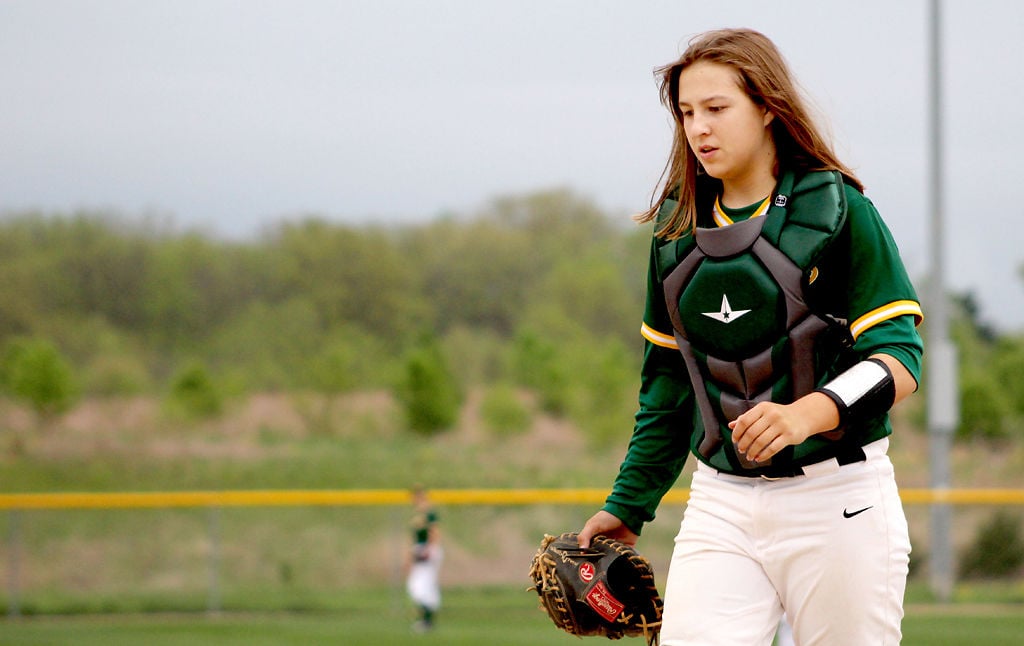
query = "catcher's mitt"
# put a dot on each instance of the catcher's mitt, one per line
(607, 589)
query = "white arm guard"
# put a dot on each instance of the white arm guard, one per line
(864, 391)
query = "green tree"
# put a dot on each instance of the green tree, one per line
(129, 300)
(102, 263)
(605, 393)
(536, 364)
(997, 550)
(502, 412)
(193, 393)
(350, 276)
(591, 291)
(268, 347)
(476, 274)
(429, 392)
(33, 371)
(1007, 367)
(986, 406)
(331, 371)
(985, 409)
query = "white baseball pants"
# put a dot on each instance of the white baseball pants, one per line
(423, 584)
(830, 549)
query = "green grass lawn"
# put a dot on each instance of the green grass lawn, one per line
(497, 617)
(142, 577)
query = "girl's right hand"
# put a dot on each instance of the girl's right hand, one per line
(605, 523)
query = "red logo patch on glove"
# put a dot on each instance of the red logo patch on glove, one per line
(601, 600)
(587, 572)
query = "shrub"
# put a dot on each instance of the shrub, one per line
(476, 355)
(984, 407)
(502, 412)
(194, 394)
(330, 371)
(114, 375)
(604, 399)
(537, 364)
(33, 371)
(997, 550)
(918, 560)
(429, 392)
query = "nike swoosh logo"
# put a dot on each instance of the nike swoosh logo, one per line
(851, 514)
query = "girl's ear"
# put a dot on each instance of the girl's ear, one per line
(769, 116)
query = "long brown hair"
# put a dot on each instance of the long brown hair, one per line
(765, 77)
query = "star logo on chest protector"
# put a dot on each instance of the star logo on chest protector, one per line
(727, 314)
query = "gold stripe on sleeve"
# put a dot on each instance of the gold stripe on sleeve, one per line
(884, 313)
(657, 338)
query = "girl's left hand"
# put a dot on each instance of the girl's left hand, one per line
(767, 428)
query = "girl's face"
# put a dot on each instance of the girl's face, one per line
(726, 130)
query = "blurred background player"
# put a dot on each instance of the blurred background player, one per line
(424, 563)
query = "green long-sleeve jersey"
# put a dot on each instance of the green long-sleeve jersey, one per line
(860, 279)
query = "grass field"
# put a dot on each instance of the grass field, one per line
(497, 617)
(284, 575)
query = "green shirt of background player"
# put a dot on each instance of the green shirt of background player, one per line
(794, 506)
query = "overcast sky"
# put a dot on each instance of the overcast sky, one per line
(229, 116)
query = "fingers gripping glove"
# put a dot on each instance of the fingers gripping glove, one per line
(607, 589)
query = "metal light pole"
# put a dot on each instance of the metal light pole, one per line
(943, 395)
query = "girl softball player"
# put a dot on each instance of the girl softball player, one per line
(780, 328)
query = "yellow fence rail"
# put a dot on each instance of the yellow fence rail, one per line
(215, 501)
(370, 497)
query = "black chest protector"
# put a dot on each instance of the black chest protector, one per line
(737, 299)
